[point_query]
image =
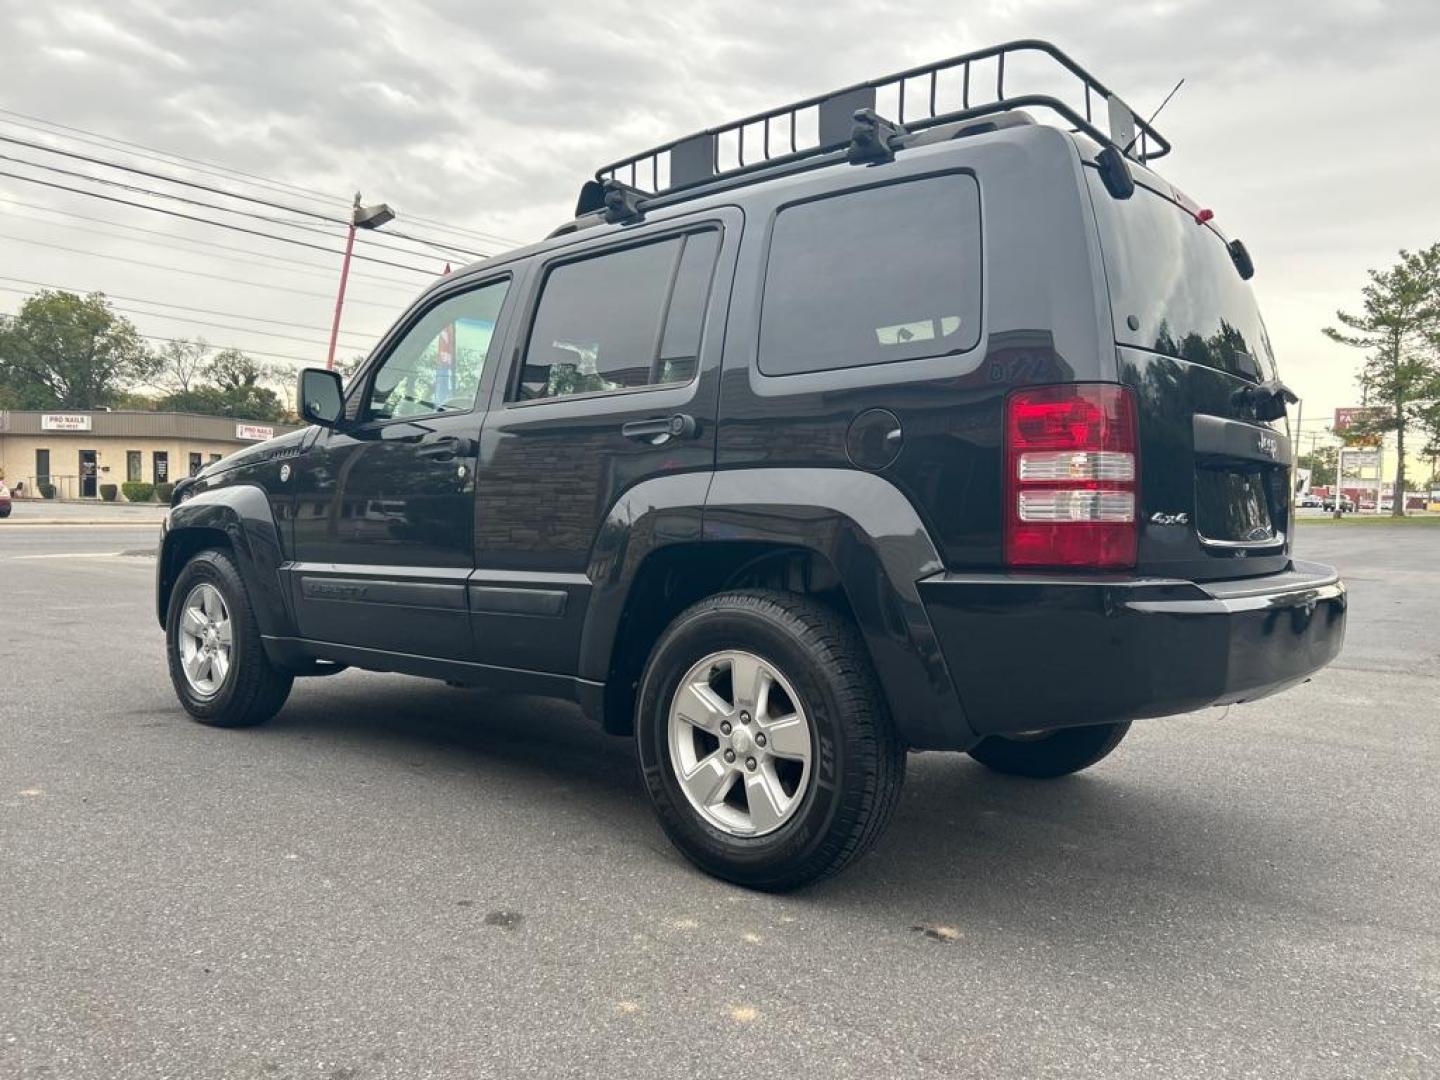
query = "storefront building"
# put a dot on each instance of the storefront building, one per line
(76, 454)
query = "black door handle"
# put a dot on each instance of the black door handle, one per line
(661, 428)
(443, 448)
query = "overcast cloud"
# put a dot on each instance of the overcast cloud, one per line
(1309, 127)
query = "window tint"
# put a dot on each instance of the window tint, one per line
(598, 326)
(871, 276)
(1176, 279)
(436, 366)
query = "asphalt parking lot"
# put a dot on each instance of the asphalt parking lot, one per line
(399, 879)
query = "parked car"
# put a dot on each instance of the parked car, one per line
(785, 469)
(1310, 502)
(5, 502)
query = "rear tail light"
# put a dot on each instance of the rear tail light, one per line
(1070, 469)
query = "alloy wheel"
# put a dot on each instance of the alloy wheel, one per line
(740, 743)
(205, 640)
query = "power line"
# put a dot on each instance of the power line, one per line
(177, 307)
(262, 261)
(433, 243)
(92, 160)
(197, 322)
(177, 213)
(211, 168)
(165, 178)
(315, 269)
(160, 266)
(213, 345)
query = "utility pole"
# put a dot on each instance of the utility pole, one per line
(361, 217)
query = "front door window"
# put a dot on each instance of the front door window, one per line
(436, 366)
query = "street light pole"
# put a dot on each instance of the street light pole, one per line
(361, 217)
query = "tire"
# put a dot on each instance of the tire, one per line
(250, 690)
(1054, 753)
(836, 802)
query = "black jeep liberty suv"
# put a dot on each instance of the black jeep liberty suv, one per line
(813, 439)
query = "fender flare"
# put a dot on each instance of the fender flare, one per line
(878, 544)
(859, 522)
(654, 514)
(242, 512)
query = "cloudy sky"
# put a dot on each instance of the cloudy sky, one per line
(1310, 128)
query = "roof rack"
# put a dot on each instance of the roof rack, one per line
(769, 139)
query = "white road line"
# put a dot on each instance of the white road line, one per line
(68, 555)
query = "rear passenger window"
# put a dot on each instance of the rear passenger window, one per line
(871, 276)
(621, 320)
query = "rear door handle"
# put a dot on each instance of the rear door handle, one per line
(661, 429)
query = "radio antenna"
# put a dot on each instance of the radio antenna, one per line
(1175, 90)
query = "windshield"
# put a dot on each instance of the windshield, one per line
(1174, 288)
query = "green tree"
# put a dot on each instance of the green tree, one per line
(1398, 327)
(62, 350)
(180, 365)
(1321, 464)
(1430, 425)
(229, 383)
(241, 382)
(198, 399)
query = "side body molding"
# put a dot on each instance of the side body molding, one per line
(880, 548)
(242, 512)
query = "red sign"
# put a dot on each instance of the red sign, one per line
(1347, 419)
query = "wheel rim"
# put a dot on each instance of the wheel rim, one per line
(740, 743)
(205, 640)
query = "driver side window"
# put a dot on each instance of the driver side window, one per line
(436, 366)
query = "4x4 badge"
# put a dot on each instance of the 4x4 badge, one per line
(1159, 518)
(1269, 445)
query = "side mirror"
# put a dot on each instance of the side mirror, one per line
(320, 397)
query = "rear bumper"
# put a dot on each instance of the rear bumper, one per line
(1032, 651)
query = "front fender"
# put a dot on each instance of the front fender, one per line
(875, 540)
(241, 514)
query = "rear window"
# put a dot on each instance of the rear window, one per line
(1174, 278)
(873, 276)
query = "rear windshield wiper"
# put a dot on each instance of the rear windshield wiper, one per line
(1267, 400)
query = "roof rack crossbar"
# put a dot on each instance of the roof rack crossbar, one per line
(696, 159)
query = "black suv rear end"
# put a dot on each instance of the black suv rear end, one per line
(1194, 599)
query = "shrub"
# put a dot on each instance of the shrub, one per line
(138, 492)
(108, 492)
(163, 492)
(47, 491)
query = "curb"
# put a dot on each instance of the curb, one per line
(7, 523)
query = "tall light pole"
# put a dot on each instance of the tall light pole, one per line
(361, 217)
